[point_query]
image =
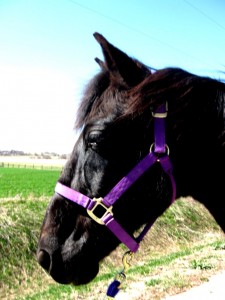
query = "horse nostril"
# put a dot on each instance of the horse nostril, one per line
(44, 259)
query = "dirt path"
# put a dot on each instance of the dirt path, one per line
(199, 276)
(214, 289)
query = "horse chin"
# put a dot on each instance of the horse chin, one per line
(86, 276)
(76, 274)
(66, 268)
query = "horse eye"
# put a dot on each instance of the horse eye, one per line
(93, 145)
(94, 140)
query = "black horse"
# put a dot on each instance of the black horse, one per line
(116, 117)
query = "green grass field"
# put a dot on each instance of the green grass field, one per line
(27, 182)
(185, 233)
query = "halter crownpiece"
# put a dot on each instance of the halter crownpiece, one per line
(100, 209)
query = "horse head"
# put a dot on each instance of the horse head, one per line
(116, 119)
(71, 244)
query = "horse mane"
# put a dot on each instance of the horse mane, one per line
(174, 85)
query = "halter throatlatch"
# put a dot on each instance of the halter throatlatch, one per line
(100, 209)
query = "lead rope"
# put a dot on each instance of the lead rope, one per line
(120, 277)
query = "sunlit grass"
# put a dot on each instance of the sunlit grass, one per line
(184, 232)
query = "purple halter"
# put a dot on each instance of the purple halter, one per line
(159, 152)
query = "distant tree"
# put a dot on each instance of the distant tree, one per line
(46, 156)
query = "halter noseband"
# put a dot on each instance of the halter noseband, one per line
(100, 209)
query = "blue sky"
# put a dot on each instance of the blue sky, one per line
(47, 53)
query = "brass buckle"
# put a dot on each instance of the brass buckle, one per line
(161, 115)
(99, 205)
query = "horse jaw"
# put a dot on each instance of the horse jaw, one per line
(67, 244)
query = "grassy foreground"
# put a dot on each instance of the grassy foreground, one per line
(184, 247)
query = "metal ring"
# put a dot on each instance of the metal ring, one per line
(166, 146)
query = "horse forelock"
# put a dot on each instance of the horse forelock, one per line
(102, 97)
(92, 93)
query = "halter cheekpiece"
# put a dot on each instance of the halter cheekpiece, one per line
(101, 209)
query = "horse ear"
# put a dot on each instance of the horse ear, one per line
(101, 63)
(122, 67)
